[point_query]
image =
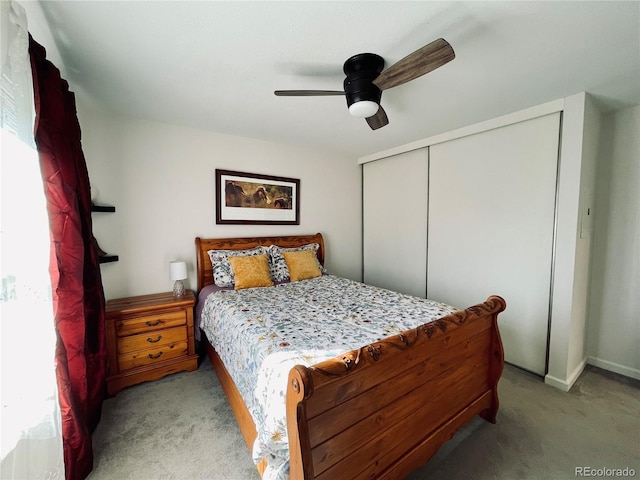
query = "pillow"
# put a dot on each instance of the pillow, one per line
(302, 265)
(251, 271)
(222, 271)
(278, 265)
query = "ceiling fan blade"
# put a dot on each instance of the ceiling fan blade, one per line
(420, 62)
(307, 93)
(378, 120)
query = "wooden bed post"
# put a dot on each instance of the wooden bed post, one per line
(497, 359)
(299, 388)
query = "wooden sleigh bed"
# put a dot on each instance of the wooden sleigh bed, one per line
(380, 411)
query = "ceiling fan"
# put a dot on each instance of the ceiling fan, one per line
(366, 79)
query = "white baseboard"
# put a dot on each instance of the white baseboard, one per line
(565, 385)
(614, 367)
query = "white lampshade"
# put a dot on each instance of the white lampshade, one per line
(363, 109)
(178, 270)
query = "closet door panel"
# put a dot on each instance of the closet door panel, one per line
(491, 223)
(395, 222)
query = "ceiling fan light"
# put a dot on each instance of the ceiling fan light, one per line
(363, 109)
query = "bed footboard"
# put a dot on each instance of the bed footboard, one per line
(385, 409)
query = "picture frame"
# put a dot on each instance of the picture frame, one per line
(255, 199)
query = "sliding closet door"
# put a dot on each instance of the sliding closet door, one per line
(491, 224)
(395, 222)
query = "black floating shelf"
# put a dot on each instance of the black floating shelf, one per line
(108, 258)
(103, 208)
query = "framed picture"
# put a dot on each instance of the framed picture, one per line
(248, 198)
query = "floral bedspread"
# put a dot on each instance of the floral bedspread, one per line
(261, 333)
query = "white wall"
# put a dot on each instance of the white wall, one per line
(584, 238)
(579, 148)
(161, 180)
(614, 311)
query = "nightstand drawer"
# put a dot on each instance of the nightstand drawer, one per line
(150, 323)
(152, 339)
(154, 355)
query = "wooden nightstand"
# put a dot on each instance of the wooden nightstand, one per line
(148, 337)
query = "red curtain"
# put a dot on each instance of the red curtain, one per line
(78, 297)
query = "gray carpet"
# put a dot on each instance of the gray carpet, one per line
(181, 427)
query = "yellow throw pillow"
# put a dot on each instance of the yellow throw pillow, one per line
(302, 265)
(251, 271)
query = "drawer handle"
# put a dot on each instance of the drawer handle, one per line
(151, 340)
(153, 357)
(153, 324)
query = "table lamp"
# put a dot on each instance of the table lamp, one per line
(178, 271)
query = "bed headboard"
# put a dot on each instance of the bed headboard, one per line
(203, 245)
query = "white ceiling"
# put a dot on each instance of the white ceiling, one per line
(214, 65)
